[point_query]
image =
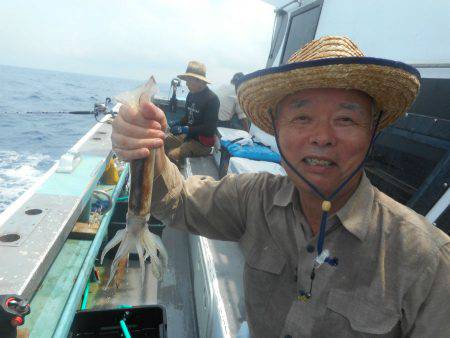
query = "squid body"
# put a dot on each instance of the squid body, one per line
(136, 236)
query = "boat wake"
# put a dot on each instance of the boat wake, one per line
(18, 172)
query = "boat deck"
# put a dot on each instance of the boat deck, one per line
(223, 309)
(174, 292)
(202, 290)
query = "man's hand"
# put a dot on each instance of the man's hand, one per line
(177, 130)
(136, 132)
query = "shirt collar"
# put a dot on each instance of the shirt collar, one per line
(285, 194)
(356, 214)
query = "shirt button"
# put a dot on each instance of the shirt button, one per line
(310, 248)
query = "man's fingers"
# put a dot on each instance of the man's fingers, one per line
(130, 143)
(128, 155)
(136, 118)
(124, 128)
(135, 132)
(152, 112)
(148, 115)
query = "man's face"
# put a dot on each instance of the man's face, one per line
(194, 85)
(324, 134)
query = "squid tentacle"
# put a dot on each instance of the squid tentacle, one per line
(147, 245)
(157, 247)
(141, 260)
(161, 249)
(152, 253)
(118, 237)
(124, 249)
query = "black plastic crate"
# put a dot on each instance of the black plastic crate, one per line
(148, 321)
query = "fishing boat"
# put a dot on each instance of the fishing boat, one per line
(51, 281)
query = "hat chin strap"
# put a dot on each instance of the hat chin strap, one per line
(323, 256)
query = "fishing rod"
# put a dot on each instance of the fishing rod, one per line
(100, 110)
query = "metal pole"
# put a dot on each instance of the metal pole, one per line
(440, 206)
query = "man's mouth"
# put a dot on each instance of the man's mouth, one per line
(313, 161)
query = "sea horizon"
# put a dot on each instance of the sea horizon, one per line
(72, 72)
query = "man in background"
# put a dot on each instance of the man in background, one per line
(230, 113)
(193, 135)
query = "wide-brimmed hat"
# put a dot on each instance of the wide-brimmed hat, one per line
(330, 62)
(195, 69)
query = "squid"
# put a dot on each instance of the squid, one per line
(136, 236)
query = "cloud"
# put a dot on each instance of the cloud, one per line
(132, 38)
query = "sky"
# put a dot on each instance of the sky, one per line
(135, 38)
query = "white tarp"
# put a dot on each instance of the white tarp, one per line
(239, 165)
(264, 138)
(229, 134)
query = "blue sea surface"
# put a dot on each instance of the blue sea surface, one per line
(35, 126)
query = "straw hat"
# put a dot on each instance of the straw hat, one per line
(195, 69)
(330, 62)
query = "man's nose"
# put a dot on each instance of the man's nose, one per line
(322, 135)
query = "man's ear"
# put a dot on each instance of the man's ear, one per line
(273, 115)
(277, 114)
(374, 116)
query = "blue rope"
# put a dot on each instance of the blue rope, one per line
(323, 222)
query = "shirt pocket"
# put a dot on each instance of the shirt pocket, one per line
(264, 266)
(267, 258)
(363, 315)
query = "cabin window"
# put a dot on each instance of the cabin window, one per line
(281, 20)
(411, 159)
(433, 99)
(302, 28)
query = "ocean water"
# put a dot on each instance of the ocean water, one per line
(35, 126)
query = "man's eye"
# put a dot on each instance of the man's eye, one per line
(302, 118)
(346, 120)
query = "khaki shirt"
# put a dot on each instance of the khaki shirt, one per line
(393, 276)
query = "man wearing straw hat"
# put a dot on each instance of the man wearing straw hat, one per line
(327, 254)
(194, 134)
